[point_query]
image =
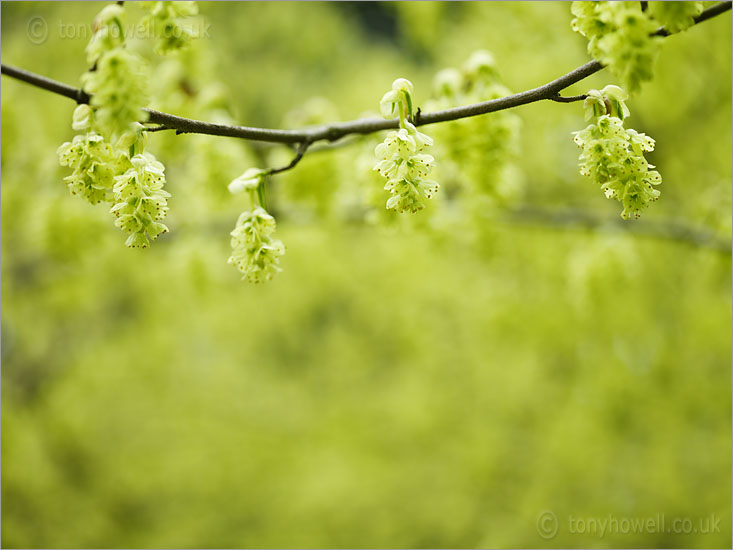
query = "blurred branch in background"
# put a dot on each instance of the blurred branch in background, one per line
(571, 219)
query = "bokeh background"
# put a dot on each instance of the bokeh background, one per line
(437, 381)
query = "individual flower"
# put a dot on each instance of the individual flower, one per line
(109, 32)
(398, 100)
(249, 181)
(82, 118)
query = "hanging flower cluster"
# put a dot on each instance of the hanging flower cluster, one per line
(254, 251)
(108, 158)
(402, 160)
(613, 156)
(675, 16)
(166, 21)
(91, 159)
(117, 81)
(619, 35)
(477, 154)
(141, 201)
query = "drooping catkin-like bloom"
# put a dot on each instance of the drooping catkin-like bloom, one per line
(166, 21)
(402, 158)
(613, 156)
(91, 159)
(621, 36)
(118, 80)
(254, 252)
(405, 165)
(141, 201)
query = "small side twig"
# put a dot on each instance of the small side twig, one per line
(302, 148)
(160, 128)
(568, 99)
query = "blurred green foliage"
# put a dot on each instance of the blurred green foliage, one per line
(426, 383)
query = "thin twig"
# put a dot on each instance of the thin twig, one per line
(298, 156)
(157, 128)
(568, 99)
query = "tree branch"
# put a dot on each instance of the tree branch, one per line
(77, 94)
(333, 132)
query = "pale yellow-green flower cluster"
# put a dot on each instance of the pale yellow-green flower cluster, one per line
(477, 154)
(255, 253)
(141, 201)
(622, 34)
(613, 156)
(167, 22)
(91, 159)
(402, 158)
(108, 159)
(619, 35)
(118, 79)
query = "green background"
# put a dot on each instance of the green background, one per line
(412, 383)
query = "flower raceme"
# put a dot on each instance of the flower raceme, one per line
(118, 91)
(90, 157)
(622, 34)
(117, 81)
(613, 156)
(108, 157)
(477, 154)
(165, 21)
(254, 252)
(402, 158)
(619, 35)
(675, 16)
(141, 201)
(405, 165)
